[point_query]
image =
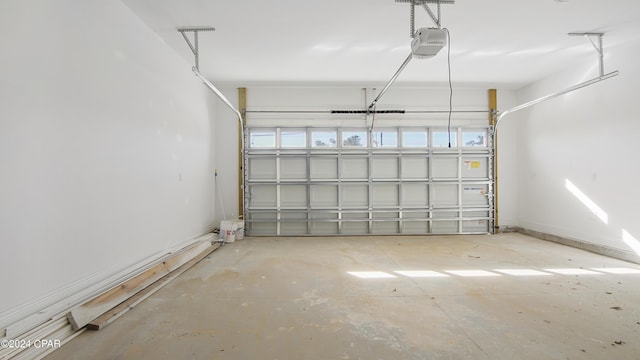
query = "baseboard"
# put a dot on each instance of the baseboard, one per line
(583, 245)
(507, 229)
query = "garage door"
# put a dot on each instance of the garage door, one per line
(349, 181)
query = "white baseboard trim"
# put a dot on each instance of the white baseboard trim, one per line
(584, 245)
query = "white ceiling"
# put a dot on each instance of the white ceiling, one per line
(507, 43)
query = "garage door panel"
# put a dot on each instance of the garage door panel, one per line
(445, 194)
(444, 227)
(356, 223)
(413, 187)
(414, 214)
(385, 195)
(293, 223)
(475, 226)
(384, 168)
(355, 196)
(324, 168)
(292, 168)
(293, 196)
(445, 222)
(385, 215)
(474, 195)
(415, 194)
(263, 224)
(323, 228)
(475, 167)
(355, 168)
(445, 167)
(355, 227)
(263, 196)
(358, 215)
(385, 228)
(415, 227)
(324, 195)
(415, 168)
(262, 168)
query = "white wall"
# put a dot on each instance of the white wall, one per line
(590, 138)
(328, 97)
(106, 151)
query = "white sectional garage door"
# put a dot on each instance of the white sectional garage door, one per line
(347, 181)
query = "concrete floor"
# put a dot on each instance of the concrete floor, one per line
(294, 298)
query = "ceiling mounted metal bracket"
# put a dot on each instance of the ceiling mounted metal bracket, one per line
(194, 46)
(599, 47)
(602, 76)
(437, 19)
(196, 70)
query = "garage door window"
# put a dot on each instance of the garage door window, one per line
(323, 138)
(384, 138)
(261, 138)
(472, 138)
(354, 138)
(293, 138)
(414, 138)
(441, 138)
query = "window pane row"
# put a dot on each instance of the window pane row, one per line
(354, 138)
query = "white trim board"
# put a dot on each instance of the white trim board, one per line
(20, 320)
(583, 245)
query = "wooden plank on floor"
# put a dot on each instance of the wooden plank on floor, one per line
(112, 315)
(85, 313)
